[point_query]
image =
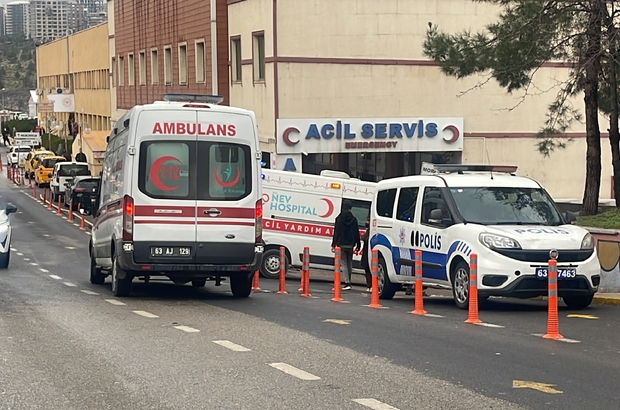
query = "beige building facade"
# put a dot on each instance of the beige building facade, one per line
(311, 68)
(76, 66)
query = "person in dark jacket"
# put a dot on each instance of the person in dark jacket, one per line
(80, 157)
(347, 237)
(365, 251)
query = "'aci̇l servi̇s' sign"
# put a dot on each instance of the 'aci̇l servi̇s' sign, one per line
(369, 134)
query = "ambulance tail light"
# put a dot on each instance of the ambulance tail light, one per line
(258, 222)
(128, 213)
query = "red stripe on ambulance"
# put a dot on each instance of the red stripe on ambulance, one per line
(298, 227)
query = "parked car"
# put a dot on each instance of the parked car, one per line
(33, 159)
(43, 172)
(17, 155)
(5, 235)
(64, 171)
(84, 192)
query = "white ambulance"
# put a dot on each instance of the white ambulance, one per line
(510, 222)
(300, 210)
(180, 196)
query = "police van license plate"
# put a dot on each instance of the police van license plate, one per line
(171, 251)
(563, 273)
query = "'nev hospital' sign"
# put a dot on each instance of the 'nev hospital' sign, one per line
(369, 134)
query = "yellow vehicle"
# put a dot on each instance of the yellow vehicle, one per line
(33, 158)
(45, 169)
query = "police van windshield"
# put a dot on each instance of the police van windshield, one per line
(506, 206)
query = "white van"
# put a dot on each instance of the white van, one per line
(300, 210)
(180, 196)
(63, 172)
(510, 222)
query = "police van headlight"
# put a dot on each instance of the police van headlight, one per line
(494, 241)
(587, 242)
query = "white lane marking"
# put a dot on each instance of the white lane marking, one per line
(70, 247)
(187, 329)
(14, 250)
(89, 292)
(145, 314)
(43, 270)
(489, 325)
(55, 277)
(87, 233)
(46, 235)
(71, 285)
(26, 259)
(20, 254)
(374, 404)
(76, 225)
(565, 340)
(64, 217)
(432, 315)
(34, 264)
(115, 302)
(232, 346)
(293, 371)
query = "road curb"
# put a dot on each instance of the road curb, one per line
(606, 300)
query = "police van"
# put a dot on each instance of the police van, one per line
(509, 221)
(301, 209)
(180, 196)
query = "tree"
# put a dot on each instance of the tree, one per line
(528, 34)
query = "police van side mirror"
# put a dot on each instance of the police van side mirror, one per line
(436, 216)
(570, 217)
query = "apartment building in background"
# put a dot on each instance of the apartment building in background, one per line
(53, 19)
(17, 19)
(169, 47)
(2, 20)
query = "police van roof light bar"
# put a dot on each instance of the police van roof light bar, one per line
(199, 98)
(460, 168)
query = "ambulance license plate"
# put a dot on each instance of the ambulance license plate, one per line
(170, 251)
(563, 273)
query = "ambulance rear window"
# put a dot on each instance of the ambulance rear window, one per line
(165, 169)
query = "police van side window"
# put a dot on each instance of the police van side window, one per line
(434, 200)
(407, 200)
(385, 202)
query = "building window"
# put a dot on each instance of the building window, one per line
(154, 68)
(142, 67)
(235, 52)
(113, 69)
(131, 71)
(168, 65)
(201, 73)
(182, 64)
(121, 70)
(258, 56)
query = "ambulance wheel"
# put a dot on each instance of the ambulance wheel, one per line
(96, 276)
(270, 264)
(386, 288)
(460, 285)
(241, 284)
(578, 302)
(120, 287)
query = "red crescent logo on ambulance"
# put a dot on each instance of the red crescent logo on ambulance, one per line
(154, 173)
(330, 208)
(229, 184)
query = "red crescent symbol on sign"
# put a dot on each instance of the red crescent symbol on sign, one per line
(286, 136)
(154, 173)
(455, 134)
(330, 208)
(265, 198)
(227, 184)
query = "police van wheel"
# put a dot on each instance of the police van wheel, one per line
(120, 287)
(578, 302)
(460, 285)
(270, 264)
(241, 285)
(386, 288)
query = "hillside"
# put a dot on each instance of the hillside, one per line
(17, 71)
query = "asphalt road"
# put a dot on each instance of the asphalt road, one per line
(66, 344)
